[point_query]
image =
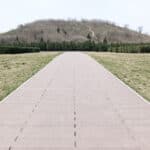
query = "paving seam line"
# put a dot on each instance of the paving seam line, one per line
(31, 113)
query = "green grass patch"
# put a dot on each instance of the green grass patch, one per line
(16, 69)
(133, 69)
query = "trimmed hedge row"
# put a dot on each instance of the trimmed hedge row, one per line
(17, 49)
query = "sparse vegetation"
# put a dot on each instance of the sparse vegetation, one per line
(72, 30)
(133, 69)
(15, 69)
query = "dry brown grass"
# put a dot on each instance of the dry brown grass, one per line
(133, 69)
(15, 69)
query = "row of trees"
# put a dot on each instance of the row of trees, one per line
(75, 46)
(93, 46)
(130, 48)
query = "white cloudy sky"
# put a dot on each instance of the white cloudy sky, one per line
(133, 12)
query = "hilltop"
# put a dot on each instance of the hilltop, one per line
(72, 30)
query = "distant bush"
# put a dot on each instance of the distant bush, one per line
(130, 48)
(145, 49)
(17, 49)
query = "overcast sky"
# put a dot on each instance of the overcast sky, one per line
(133, 12)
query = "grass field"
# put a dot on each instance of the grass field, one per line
(15, 69)
(133, 69)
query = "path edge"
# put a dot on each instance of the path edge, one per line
(122, 82)
(26, 82)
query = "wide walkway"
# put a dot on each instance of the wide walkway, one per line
(74, 103)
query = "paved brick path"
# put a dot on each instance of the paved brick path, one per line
(74, 103)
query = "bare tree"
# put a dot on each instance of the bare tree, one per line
(140, 29)
(20, 26)
(126, 26)
(64, 31)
